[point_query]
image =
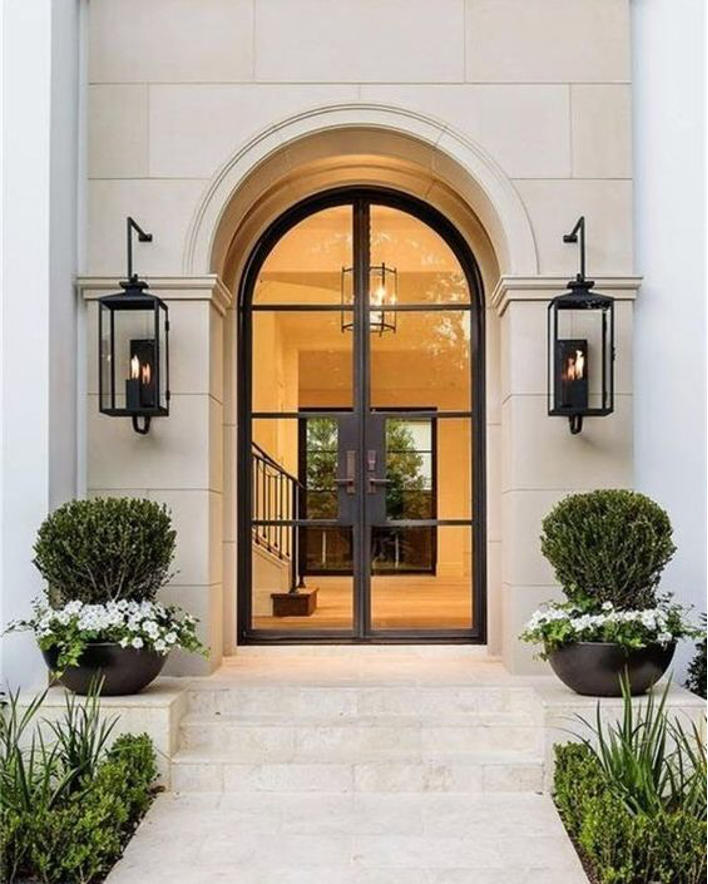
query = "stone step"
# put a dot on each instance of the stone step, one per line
(357, 739)
(194, 770)
(449, 703)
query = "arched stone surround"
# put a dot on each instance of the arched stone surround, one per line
(364, 143)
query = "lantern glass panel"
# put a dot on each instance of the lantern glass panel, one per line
(580, 355)
(133, 358)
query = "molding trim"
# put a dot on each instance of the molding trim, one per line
(492, 194)
(543, 288)
(170, 288)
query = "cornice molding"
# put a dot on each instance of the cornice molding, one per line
(543, 288)
(170, 288)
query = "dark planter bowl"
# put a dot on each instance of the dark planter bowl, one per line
(124, 670)
(594, 668)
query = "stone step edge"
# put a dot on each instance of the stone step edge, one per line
(198, 756)
(388, 720)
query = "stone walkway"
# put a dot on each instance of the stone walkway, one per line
(206, 838)
(356, 766)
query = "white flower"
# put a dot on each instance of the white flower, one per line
(171, 638)
(151, 628)
(123, 642)
(607, 606)
(137, 642)
(664, 638)
(160, 645)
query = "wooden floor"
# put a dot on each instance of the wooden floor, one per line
(416, 602)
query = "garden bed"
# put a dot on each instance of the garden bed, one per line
(617, 845)
(69, 804)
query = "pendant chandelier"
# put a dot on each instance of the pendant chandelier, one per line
(383, 295)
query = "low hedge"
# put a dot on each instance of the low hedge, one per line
(77, 839)
(620, 847)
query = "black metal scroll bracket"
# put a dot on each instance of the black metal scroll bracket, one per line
(578, 233)
(575, 235)
(132, 225)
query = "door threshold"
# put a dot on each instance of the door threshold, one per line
(474, 651)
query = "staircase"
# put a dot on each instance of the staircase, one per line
(379, 723)
(355, 765)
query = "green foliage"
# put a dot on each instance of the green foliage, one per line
(557, 624)
(622, 847)
(84, 800)
(610, 546)
(578, 779)
(82, 735)
(651, 761)
(105, 549)
(406, 493)
(696, 680)
(636, 803)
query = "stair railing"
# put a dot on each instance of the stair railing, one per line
(276, 498)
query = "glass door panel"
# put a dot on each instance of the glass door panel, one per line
(362, 342)
(427, 269)
(304, 267)
(301, 359)
(419, 434)
(302, 513)
(426, 363)
(407, 597)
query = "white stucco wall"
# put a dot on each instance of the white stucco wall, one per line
(670, 239)
(40, 60)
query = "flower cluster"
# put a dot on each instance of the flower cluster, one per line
(555, 625)
(72, 627)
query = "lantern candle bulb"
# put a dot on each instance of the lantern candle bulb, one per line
(572, 358)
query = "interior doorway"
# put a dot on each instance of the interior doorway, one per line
(361, 426)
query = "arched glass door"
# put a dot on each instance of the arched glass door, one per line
(361, 461)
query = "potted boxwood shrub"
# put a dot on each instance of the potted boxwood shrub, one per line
(104, 561)
(608, 550)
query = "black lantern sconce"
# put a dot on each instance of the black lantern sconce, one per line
(133, 357)
(383, 294)
(581, 347)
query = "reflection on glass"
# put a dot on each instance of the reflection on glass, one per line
(436, 590)
(326, 550)
(403, 550)
(300, 360)
(428, 270)
(425, 364)
(305, 266)
(410, 491)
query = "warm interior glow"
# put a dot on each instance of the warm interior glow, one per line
(146, 373)
(379, 295)
(134, 368)
(575, 367)
(301, 360)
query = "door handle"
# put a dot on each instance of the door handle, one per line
(349, 481)
(373, 482)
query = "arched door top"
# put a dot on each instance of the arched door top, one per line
(366, 129)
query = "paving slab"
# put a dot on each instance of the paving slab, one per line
(290, 838)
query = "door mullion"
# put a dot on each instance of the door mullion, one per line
(362, 579)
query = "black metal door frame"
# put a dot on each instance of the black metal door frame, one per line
(359, 423)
